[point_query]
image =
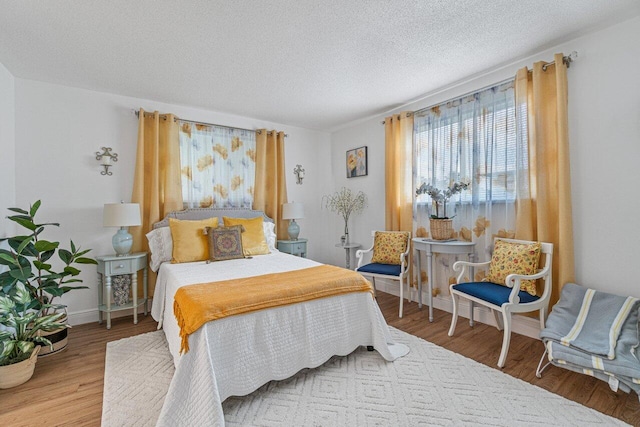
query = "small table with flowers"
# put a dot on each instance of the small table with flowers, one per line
(348, 247)
(429, 247)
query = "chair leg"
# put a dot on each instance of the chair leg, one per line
(498, 318)
(506, 317)
(471, 306)
(373, 282)
(401, 297)
(454, 314)
(543, 316)
(541, 368)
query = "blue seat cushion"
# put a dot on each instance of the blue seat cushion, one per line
(492, 292)
(376, 268)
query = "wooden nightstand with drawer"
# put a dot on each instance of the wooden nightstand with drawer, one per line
(294, 247)
(112, 265)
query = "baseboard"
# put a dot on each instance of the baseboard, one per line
(522, 325)
(91, 316)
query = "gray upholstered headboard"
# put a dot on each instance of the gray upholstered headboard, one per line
(203, 213)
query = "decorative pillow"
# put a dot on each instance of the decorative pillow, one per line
(270, 235)
(514, 258)
(161, 246)
(253, 240)
(224, 242)
(388, 245)
(189, 242)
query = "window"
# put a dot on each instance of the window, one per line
(479, 139)
(218, 166)
(474, 139)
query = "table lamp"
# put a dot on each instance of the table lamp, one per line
(121, 215)
(293, 211)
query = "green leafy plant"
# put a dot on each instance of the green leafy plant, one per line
(22, 325)
(29, 262)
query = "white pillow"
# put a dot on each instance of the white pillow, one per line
(270, 235)
(161, 246)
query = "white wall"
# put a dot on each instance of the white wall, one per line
(372, 185)
(58, 131)
(7, 148)
(604, 131)
(604, 127)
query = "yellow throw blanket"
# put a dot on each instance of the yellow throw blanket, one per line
(194, 305)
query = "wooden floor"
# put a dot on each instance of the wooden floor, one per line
(66, 388)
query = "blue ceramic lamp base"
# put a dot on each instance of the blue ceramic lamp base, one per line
(122, 242)
(293, 230)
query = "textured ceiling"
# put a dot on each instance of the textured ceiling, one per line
(309, 63)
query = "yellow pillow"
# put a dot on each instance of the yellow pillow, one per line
(514, 258)
(388, 245)
(189, 241)
(253, 241)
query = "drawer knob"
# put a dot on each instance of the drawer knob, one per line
(121, 266)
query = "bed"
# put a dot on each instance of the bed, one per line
(235, 355)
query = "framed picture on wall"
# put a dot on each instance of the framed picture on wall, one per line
(357, 162)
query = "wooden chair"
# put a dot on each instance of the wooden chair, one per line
(390, 259)
(508, 298)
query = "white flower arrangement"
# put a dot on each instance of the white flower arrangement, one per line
(441, 197)
(345, 203)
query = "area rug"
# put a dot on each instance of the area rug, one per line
(431, 386)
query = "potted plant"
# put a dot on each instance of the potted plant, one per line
(20, 337)
(345, 203)
(441, 226)
(29, 261)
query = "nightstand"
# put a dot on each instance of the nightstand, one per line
(112, 265)
(294, 247)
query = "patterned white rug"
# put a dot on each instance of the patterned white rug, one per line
(430, 386)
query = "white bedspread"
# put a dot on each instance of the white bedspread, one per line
(238, 354)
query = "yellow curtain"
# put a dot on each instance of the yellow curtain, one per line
(544, 202)
(398, 163)
(270, 191)
(156, 185)
(398, 131)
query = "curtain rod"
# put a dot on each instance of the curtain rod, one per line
(510, 79)
(412, 113)
(567, 60)
(177, 119)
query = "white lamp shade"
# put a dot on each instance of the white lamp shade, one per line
(292, 210)
(121, 215)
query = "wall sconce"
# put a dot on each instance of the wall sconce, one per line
(106, 159)
(299, 173)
